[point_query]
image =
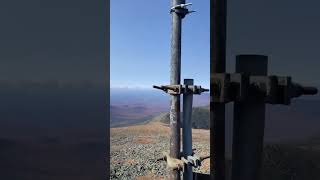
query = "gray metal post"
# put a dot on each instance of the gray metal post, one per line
(248, 127)
(218, 11)
(187, 129)
(175, 79)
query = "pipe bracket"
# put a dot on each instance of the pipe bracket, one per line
(272, 89)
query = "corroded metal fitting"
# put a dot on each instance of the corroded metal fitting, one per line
(227, 87)
(181, 89)
(181, 9)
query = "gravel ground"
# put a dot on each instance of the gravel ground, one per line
(134, 151)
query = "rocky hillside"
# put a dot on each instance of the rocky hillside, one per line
(135, 149)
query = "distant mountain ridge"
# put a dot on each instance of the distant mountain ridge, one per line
(200, 117)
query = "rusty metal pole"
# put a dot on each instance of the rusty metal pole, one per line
(175, 74)
(187, 129)
(218, 13)
(248, 125)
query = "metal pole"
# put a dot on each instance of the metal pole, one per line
(187, 129)
(248, 125)
(175, 79)
(218, 11)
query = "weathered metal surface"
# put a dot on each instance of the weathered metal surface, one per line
(187, 129)
(192, 160)
(273, 89)
(181, 9)
(181, 89)
(175, 74)
(250, 88)
(218, 13)
(220, 87)
(248, 124)
(178, 11)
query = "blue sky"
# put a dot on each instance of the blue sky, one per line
(141, 30)
(140, 43)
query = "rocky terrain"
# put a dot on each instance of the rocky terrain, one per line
(135, 149)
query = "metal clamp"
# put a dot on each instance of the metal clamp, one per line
(194, 160)
(181, 89)
(171, 89)
(227, 87)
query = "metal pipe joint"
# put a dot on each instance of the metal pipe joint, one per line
(228, 87)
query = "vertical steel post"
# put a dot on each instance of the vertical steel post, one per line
(187, 129)
(175, 79)
(248, 125)
(218, 12)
